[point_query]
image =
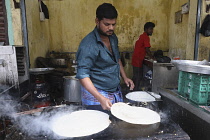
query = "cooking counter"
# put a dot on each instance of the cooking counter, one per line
(151, 63)
(167, 130)
(192, 118)
(163, 74)
(172, 132)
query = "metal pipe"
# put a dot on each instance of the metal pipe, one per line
(8, 89)
(62, 52)
(197, 31)
(24, 30)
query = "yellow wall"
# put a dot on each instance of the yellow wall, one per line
(177, 32)
(191, 30)
(133, 14)
(182, 35)
(38, 32)
(71, 20)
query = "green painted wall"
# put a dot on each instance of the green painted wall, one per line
(14, 24)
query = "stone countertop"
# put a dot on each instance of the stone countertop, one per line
(192, 118)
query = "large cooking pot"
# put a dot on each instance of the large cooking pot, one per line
(72, 89)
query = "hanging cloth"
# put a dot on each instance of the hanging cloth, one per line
(205, 27)
(44, 13)
(45, 10)
(41, 14)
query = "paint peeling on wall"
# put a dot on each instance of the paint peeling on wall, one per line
(177, 32)
(17, 26)
(78, 17)
(71, 20)
(38, 32)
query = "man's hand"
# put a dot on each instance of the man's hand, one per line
(87, 83)
(105, 103)
(129, 83)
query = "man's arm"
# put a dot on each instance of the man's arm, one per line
(88, 85)
(149, 53)
(127, 81)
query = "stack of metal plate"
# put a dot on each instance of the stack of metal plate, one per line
(201, 67)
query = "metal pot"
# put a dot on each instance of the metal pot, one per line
(72, 89)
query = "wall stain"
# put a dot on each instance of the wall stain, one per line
(70, 21)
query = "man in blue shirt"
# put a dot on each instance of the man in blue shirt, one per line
(99, 66)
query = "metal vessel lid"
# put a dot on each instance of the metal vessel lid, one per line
(71, 77)
(40, 70)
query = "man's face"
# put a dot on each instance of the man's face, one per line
(106, 26)
(149, 31)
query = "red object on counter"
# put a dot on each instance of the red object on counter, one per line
(176, 58)
(42, 104)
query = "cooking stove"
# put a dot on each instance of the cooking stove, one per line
(169, 131)
(166, 130)
(55, 79)
(64, 64)
(40, 90)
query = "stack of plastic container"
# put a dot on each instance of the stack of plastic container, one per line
(194, 82)
(195, 87)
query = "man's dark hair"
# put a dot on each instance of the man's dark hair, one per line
(149, 25)
(106, 10)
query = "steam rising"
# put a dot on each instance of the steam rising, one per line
(41, 124)
(164, 117)
(7, 106)
(38, 124)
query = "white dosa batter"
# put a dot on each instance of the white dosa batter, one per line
(134, 115)
(140, 96)
(80, 123)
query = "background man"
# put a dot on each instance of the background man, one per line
(142, 48)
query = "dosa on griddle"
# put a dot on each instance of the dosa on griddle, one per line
(134, 115)
(80, 123)
(140, 96)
